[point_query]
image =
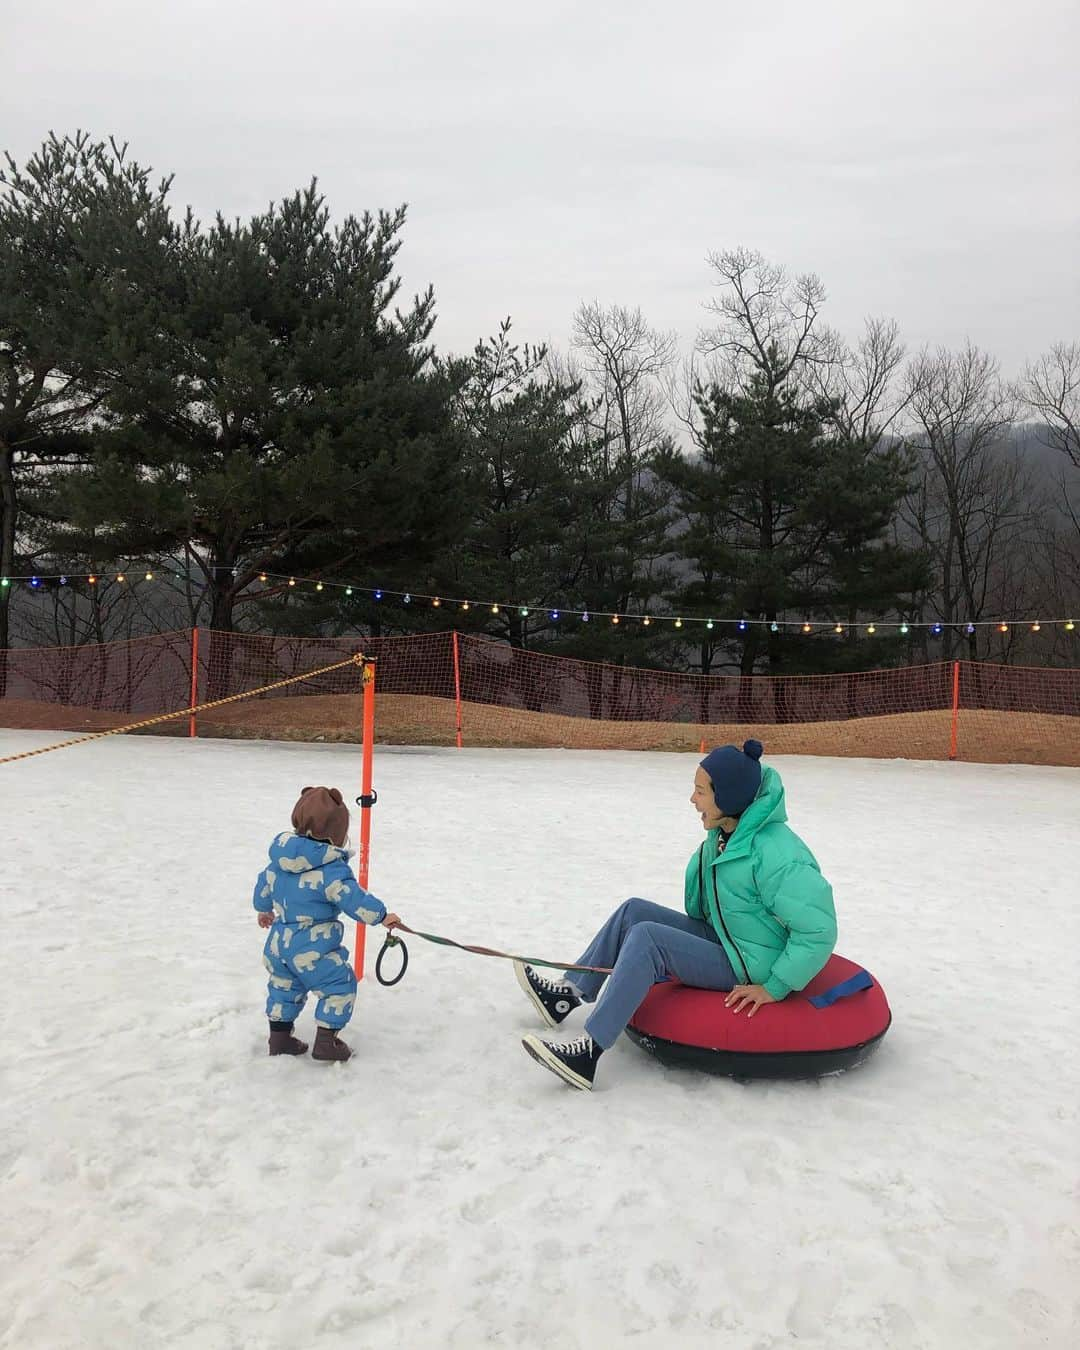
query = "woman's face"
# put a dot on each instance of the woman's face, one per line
(703, 801)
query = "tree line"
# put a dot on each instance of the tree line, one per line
(218, 402)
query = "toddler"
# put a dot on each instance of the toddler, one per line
(299, 897)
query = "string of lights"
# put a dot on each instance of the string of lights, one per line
(37, 581)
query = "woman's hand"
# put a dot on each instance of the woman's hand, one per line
(391, 921)
(266, 920)
(750, 996)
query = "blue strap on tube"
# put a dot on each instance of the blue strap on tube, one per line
(860, 980)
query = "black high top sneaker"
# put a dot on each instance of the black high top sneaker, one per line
(572, 1061)
(554, 1001)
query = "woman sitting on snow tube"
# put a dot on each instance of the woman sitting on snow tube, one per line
(759, 921)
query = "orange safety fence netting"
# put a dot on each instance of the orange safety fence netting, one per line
(432, 685)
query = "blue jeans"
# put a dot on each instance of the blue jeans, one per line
(645, 944)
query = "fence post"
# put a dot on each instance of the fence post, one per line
(194, 679)
(955, 708)
(457, 687)
(367, 801)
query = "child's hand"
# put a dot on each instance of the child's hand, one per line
(391, 921)
(266, 920)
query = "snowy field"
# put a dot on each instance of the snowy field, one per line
(164, 1183)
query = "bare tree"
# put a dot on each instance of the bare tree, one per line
(623, 363)
(767, 322)
(972, 506)
(1054, 564)
(768, 331)
(862, 382)
(1051, 389)
(861, 389)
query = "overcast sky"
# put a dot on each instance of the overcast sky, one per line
(922, 158)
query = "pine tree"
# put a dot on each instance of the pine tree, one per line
(784, 521)
(518, 424)
(275, 410)
(68, 219)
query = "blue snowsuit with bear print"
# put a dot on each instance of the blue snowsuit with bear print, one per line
(307, 885)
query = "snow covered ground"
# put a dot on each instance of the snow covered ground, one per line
(164, 1183)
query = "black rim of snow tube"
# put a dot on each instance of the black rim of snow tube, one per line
(743, 1064)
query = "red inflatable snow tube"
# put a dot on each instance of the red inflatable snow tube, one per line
(836, 1022)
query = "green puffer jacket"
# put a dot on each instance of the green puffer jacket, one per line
(764, 896)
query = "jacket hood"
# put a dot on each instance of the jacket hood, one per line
(767, 808)
(299, 853)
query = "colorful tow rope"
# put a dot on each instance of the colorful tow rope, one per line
(392, 940)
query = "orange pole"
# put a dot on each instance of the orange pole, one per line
(955, 708)
(457, 688)
(194, 679)
(364, 860)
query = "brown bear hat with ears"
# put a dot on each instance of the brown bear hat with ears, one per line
(321, 813)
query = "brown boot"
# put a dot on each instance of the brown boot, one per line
(329, 1046)
(283, 1042)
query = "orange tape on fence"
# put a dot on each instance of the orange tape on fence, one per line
(496, 695)
(357, 659)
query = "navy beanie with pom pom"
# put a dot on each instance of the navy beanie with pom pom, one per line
(735, 775)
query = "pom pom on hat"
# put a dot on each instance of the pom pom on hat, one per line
(735, 775)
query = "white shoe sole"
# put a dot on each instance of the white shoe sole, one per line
(523, 980)
(539, 1051)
